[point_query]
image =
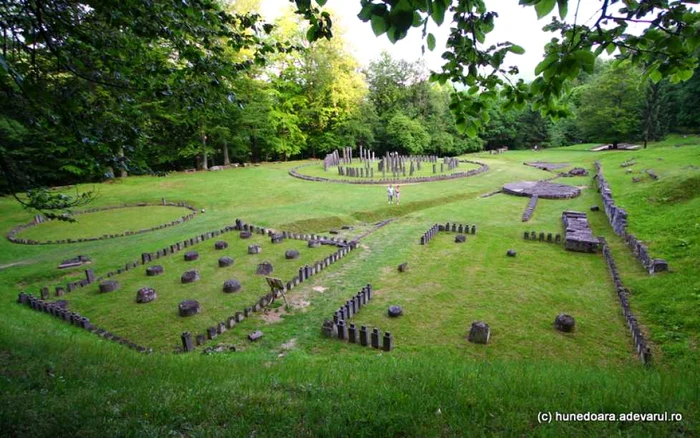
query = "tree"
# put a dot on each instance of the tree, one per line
(611, 106)
(684, 101)
(665, 48)
(93, 76)
(406, 135)
(325, 77)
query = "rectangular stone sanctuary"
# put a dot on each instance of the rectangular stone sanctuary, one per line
(578, 235)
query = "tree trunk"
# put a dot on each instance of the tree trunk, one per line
(255, 154)
(227, 161)
(203, 163)
(122, 171)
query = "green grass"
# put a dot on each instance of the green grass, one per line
(99, 223)
(158, 325)
(59, 380)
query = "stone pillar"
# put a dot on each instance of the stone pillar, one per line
(352, 334)
(364, 336)
(90, 276)
(342, 330)
(187, 342)
(388, 343)
(375, 337)
(211, 333)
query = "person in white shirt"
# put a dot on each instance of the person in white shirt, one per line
(390, 193)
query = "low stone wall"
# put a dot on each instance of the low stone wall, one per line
(11, 235)
(339, 327)
(453, 227)
(483, 168)
(74, 318)
(618, 220)
(640, 343)
(527, 214)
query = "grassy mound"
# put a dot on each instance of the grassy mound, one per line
(99, 223)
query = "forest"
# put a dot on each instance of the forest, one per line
(112, 90)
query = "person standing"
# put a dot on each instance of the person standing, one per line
(397, 194)
(390, 193)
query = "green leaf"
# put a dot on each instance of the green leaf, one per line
(544, 7)
(438, 11)
(655, 76)
(586, 59)
(431, 42)
(321, 2)
(518, 50)
(563, 8)
(684, 75)
(379, 25)
(470, 130)
(417, 19)
(401, 16)
(310, 33)
(547, 63)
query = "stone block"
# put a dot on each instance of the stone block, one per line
(225, 262)
(191, 256)
(188, 307)
(231, 286)
(109, 286)
(255, 335)
(479, 333)
(264, 268)
(146, 295)
(395, 311)
(564, 323)
(190, 276)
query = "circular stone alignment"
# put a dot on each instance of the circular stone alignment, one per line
(542, 189)
(390, 180)
(56, 231)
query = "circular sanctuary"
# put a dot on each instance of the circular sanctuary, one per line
(107, 220)
(393, 168)
(541, 189)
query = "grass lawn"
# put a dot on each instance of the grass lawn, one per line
(99, 223)
(294, 382)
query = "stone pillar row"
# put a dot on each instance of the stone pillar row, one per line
(59, 310)
(549, 238)
(453, 227)
(339, 326)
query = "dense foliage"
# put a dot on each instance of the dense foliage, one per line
(92, 90)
